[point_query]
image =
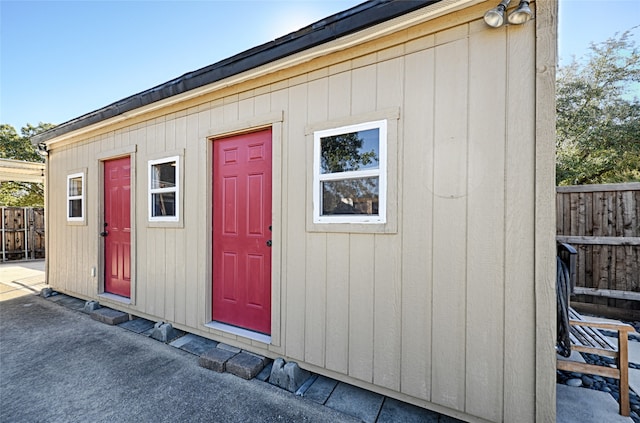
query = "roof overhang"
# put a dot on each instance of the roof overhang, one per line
(21, 171)
(362, 23)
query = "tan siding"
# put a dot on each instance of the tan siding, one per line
(387, 312)
(545, 34)
(294, 214)
(387, 270)
(279, 101)
(83, 233)
(315, 280)
(520, 229)
(180, 248)
(339, 96)
(449, 226)
(417, 218)
(361, 298)
(485, 222)
(192, 191)
(143, 247)
(363, 89)
(204, 222)
(337, 331)
(316, 299)
(246, 109)
(337, 269)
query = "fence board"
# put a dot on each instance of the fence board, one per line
(603, 223)
(22, 232)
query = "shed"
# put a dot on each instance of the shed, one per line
(371, 196)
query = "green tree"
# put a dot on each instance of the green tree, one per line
(598, 115)
(18, 147)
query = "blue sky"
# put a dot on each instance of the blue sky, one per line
(62, 59)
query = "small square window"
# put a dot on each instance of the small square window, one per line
(350, 174)
(164, 189)
(75, 197)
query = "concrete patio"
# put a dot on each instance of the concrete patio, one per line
(324, 400)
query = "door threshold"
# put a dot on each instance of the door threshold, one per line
(245, 333)
(114, 297)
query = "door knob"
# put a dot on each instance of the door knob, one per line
(269, 243)
(105, 232)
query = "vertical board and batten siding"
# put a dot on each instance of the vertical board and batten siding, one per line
(519, 230)
(439, 312)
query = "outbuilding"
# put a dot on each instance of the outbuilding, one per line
(371, 196)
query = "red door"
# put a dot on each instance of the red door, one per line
(117, 231)
(242, 231)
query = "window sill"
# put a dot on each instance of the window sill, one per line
(77, 222)
(358, 228)
(160, 224)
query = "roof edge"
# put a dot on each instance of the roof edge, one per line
(343, 23)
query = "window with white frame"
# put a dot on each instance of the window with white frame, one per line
(75, 197)
(164, 189)
(350, 174)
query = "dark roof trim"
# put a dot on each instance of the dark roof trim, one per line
(343, 23)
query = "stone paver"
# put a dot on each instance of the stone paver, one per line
(321, 389)
(67, 301)
(215, 359)
(194, 344)
(245, 365)
(356, 402)
(109, 316)
(394, 411)
(263, 376)
(137, 325)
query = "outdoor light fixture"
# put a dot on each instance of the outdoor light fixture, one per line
(495, 17)
(522, 13)
(42, 149)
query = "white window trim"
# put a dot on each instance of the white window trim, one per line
(381, 173)
(176, 189)
(80, 197)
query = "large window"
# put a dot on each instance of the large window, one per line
(75, 197)
(164, 189)
(350, 174)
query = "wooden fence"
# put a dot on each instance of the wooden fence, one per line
(603, 223)
(22, 233)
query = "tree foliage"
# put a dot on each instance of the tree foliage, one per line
(18, 147)
(598, 115)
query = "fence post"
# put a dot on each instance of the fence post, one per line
(26, 233)
(4, 241)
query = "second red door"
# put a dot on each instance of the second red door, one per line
(242, 231)
(117, 227)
